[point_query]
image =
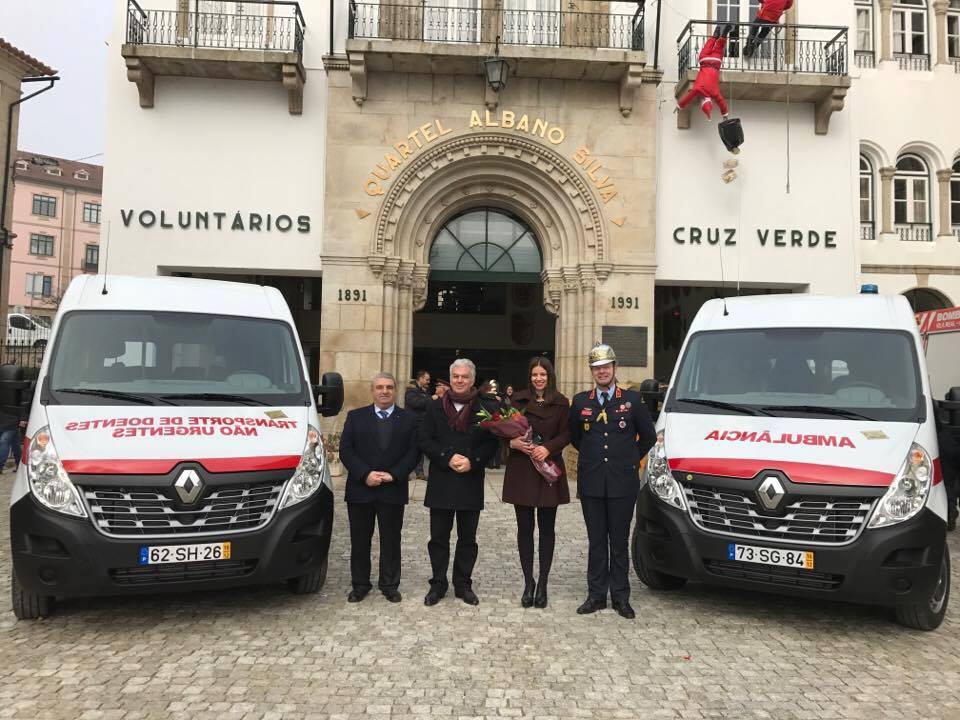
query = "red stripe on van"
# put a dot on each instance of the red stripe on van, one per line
(805, 473)
(161, 467)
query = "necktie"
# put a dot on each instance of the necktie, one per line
(603, 399)
(382, 414)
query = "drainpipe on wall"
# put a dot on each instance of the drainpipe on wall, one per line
(656, 39)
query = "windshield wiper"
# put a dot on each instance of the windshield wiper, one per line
(720, 405)
(113, 394)
(242, 399)
(839, 412)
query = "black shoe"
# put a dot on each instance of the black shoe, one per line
(591, 605)
(624, 610)
(526, 600)
(952, 519)
(540, 598)
(356, 596)
(729, 29)
(432, 598)
(748, 50)
(393, 596)
(468, 596)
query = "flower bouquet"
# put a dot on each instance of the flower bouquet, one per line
(509, 423)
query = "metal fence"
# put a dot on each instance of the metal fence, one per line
(268, 25)
(914, 232)
(463, 21)
(912, 61)
(867, 231)
(816, 49)
(864, 59)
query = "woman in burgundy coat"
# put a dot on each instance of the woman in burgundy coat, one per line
(547, 411)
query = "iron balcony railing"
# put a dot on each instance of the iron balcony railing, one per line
(956, 231)
(817, 49)
(467, 21)
(914, 232)
(864, 59)
(867, 231)
(912, 61)
(251, 25)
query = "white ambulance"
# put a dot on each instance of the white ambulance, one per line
(797, 453)
(173, 444)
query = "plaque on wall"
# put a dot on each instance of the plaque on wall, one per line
(629, 343)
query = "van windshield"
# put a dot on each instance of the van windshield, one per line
(101, 357)
(800, 372)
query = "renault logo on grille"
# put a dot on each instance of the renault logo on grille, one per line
(188, 486)
(771, 492)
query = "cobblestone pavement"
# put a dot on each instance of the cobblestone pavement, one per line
(263, 653)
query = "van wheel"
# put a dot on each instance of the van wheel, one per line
(929, 615)
(309, 583)
(653, 579)
(28, 606)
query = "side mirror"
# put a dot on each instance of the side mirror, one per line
(330, 391)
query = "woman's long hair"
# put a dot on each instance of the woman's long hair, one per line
(550, 391)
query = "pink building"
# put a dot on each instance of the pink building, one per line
(56, 220)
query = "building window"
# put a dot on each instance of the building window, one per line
(865, 25)
(730, 11)
(866, 199)
(910, 34)
(44, 205)
(953, 30)
(22, 165)
(955, 199)
(91, 258)
(81, 175)
(926, 299)
(91, 212)
(911, 198)
(54, 171)
(39, 285)
(41, 244)
(485, 244)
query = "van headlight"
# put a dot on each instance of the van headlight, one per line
(662, 483)
(48, 481)
(908, 492)
(310, 474)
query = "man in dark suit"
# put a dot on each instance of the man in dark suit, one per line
(611, 428)
(379, 449)
(459, 449)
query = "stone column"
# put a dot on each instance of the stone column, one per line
(943, 180)
(588, 314)
(391, 313)
(568, 330)
(404, 357)
(183, 21)
(940, 12)
(886, 198)
(886, 25)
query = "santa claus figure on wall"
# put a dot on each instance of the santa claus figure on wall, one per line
(768, 17)
(707, 84)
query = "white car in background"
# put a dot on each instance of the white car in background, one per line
(26, 331)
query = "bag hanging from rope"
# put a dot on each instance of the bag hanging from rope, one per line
(731, 133)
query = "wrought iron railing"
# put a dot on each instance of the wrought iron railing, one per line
(914, 232)
(864, 59)
(816, 49)
(912, 61)
(251, 25)
(463, 21)
(867, 231)
(956, 231)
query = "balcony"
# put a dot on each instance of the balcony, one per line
(867, 230)
(455, 36)
(913, 61)
(258, 40)
(914, 232)
(865, 59)
(795, 64)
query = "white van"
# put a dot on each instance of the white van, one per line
(797, 453)
(26, 331)
(173, 444)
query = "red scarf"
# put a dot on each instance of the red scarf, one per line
(458, 420)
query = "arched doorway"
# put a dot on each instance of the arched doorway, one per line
(484, 298)
(923, 299)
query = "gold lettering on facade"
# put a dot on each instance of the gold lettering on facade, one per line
(556, 135)
(373, 188)
(392, 160)
(404, 149)
(541, 125)
(413, 136)
(592, 169)
(488, 122)
(506, 119)
(441, 129)
(475, 119)
(427, 131)
(524, 123)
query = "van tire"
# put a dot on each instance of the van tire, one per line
(928, 615)
(309, 583)
(653, 579)
(28, 606)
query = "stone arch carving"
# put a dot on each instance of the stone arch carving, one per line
(514, 173)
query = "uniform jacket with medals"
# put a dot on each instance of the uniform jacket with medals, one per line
(446, 488)
(612, 440)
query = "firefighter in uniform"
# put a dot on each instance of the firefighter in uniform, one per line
(612, 429)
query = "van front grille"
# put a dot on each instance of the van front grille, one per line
(808, 520)
(182, 572)
(152, 511)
